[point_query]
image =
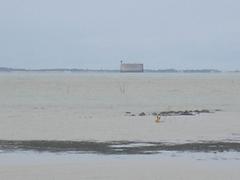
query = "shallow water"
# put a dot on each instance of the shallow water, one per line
(92, 106)
(35, 158)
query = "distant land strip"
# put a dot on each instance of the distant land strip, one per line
(116, 147)
(7, 69)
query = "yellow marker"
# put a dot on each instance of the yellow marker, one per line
(158, 119)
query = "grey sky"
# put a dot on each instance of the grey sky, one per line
(179, 34)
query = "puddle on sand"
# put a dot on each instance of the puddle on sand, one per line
(131, 145)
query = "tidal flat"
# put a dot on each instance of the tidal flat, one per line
(111, 118)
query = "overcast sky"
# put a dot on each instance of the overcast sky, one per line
(182, 34)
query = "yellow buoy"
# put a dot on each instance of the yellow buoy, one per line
(158, 119)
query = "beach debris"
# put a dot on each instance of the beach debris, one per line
(175, 113)
(185, 113)
(154, 114)
(142, 114)
(128, 113)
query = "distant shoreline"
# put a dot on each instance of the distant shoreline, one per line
(6, 69)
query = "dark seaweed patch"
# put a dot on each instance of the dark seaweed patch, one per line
(116, 147)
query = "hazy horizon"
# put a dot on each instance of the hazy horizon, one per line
(116, 69)
(99, 34)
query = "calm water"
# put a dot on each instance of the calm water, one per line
(34, 158)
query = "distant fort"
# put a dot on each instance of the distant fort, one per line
(124, 67)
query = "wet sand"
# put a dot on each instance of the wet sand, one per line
(166, 166)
